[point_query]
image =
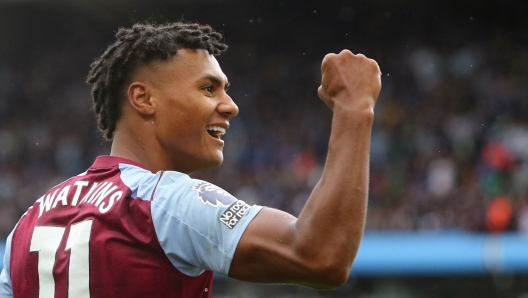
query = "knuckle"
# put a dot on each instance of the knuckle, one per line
(375, 65)
(371, 62)
(330, 56)
(328, 59)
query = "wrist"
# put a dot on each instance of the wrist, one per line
(354, 113)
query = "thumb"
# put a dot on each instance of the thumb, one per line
(325, 98)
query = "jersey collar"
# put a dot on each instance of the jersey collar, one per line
(107, 161)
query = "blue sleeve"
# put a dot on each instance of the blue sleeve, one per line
(198, 224)
(5, 278)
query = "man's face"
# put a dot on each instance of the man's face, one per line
(192, 109)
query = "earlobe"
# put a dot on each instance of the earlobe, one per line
(139, 97)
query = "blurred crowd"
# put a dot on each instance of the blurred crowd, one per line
(449, 144)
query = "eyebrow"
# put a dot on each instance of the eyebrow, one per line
(216, 80)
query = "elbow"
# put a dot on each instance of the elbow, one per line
(327, 267)
(332, 266)
(335, 278)
(329, 276)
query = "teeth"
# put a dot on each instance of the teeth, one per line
(217, 128)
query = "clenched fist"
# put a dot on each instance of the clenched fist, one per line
(349, 80)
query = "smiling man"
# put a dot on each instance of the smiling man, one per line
(136, 225)
(178, 112)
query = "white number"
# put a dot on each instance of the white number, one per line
(46, 241)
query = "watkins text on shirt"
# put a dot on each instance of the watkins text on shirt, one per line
(102, 195)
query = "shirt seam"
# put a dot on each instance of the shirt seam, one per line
(156, 187)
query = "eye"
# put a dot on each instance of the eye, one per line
(208, 89)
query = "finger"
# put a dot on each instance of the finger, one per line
(372, 61)
(329, 103)
(320, 93)
(327, 61)
(346, 51)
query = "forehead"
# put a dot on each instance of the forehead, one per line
(186, 66)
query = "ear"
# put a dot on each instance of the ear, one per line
(139, 98)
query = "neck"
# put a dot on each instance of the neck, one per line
(140, 147)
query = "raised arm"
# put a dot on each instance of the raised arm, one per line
(318, 248)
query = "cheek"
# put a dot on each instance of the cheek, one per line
(185, 117)
(174, 114)
(184, 130)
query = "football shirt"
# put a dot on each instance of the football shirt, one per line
(119, 230)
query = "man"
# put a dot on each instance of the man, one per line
(136, 225)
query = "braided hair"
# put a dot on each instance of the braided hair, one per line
(136, 46)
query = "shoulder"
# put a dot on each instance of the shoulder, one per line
(178, 185)
(209, 218)
(141, 182)
(173, 185)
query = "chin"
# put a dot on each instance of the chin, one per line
(212, 163)
(197, 162)
(217, 162)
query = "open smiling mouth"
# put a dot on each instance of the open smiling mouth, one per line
(216, 131)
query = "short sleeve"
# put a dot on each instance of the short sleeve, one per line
(198, 224)
(5, 278)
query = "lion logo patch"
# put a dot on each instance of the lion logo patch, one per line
(213, 195)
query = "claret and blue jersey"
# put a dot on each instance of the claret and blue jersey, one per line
(119, 230)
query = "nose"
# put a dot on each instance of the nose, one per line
(227, 107)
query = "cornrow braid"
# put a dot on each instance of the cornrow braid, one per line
(139, 45)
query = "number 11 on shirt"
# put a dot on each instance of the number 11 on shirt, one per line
(46, 240)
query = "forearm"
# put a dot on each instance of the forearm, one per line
(333, 219)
